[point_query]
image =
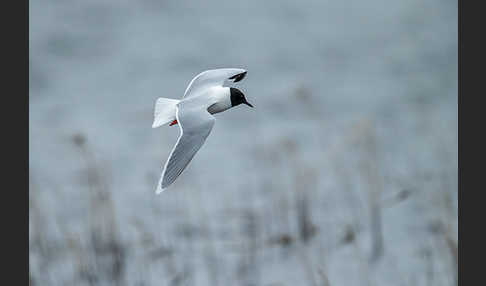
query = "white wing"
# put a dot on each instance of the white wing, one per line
(195, 124)
(211, 78)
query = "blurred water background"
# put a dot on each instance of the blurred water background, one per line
(345, 173)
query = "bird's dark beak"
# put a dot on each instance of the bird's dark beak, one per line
(247, 103)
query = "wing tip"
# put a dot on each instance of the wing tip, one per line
(159, 190)
(161, 187)
(239, 77)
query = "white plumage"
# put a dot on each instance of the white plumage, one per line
(204, 96)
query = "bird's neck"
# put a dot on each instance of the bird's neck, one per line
(222, 98)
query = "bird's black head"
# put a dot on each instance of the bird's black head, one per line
(237, 97)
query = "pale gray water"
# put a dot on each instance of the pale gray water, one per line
(356, 103)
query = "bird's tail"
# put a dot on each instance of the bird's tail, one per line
(165, 111)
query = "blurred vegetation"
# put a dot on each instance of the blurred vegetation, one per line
(345, 173)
